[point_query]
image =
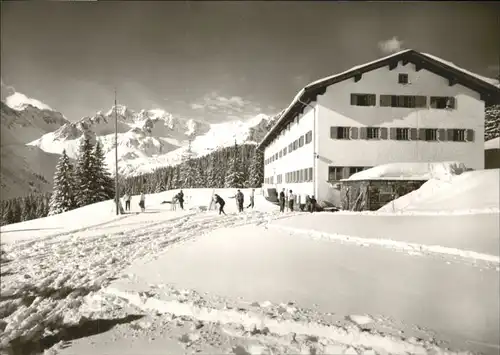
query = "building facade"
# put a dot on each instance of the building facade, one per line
(408, 107)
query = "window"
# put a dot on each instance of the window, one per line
(295, 144)
(403, 78)
(284, 151)
(310, 174)
(301, 141)
(340, 132)
(372, 133)
(309, 137)
(430, 134)
(456, 135)
(276, 156)
(355, 169)
(402, 134)
(363, 99)
(335, 173)
(403, 101)
(281, 153)
(442, 102)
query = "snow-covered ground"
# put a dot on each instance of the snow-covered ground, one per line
(251, 283)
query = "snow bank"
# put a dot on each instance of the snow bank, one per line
(411, 171)
(457, 301)
(492, 144)
(472, 191)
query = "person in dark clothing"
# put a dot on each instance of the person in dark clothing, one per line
(313, 204)
(221, 203)
(180, 198)
(308, 203)
(240, 199)
(282, 200)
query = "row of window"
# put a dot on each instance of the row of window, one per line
(336, 173)
(406, 101)
(296, 144)
(403, 134)
(297, 176)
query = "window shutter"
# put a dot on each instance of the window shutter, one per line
(385, 100)
(451, 102)
(333, 132)
(441, 135)
(469, 135)
(362, 133)
(353, 99)
(393, 133)
(354, 132)
(449, 134)
(421, 134)
(421, 101)
(413, 134)
(383, 132)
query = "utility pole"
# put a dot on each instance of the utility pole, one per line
(117, 192)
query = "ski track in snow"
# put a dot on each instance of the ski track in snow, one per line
(44, 281)
(61, 281)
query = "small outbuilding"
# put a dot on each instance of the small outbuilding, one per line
(373, 188)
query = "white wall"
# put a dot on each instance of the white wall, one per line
(302, 158)
(335, 110)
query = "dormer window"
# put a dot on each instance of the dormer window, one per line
(403, 78)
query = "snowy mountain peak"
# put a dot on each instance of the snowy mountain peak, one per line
(19, 102)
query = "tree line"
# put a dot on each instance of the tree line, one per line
(89, 181)
(237, 166)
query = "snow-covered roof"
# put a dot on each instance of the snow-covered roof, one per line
(486, 84)
(492, 144)
(411, 171)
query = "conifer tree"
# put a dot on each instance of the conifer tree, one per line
(102, 185)
(63, 198)
(85, 174)
(234, 176)
(256, 172)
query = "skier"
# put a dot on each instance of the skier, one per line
(252, 196)
(303, 201)
(221, 203)
(291, 200)
(142, 202)
(127, 199)
(240, 198)
(173, 205)
(282, 200)
(313, 204)
(180, 198)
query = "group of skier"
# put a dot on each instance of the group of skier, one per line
(305, 202)
(286, 199)
(240, 200)
(128, 198)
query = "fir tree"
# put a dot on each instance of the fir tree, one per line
(103, 185)
(234, 177)
(85, 174)
(63, 198)
(256, 173)
(201, 178)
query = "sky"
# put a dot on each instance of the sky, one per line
(219, 61)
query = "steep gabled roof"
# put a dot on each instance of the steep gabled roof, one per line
(489, 92)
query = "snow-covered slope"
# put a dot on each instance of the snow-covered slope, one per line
(258, 282)
(150, 139)
(26, 169)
